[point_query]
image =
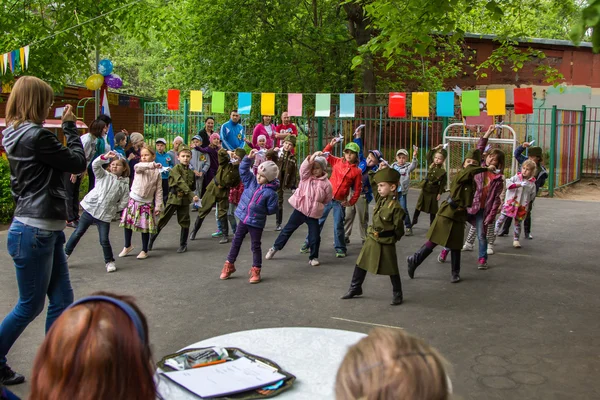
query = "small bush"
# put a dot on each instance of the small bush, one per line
(7, 204)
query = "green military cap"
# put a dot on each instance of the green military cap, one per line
(474, 154)
(183, 147)
(291, 138)
(387, 175)
(534, 151)
(241, 153)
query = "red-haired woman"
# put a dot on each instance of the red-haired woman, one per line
(97, 349)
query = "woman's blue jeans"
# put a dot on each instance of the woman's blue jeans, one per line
(41, 269)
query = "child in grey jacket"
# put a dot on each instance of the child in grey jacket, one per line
(405, 169)
(200, 164)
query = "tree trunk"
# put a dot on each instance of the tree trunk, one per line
(358, 28)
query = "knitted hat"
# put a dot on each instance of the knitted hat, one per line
(136, 137)
(402, 151)
(197, 137)
(178, 138)
(474, 154)
(534, 151)
(376, 154)
(183, 147)
(261, 137)
(241, 153)
(389, 175)
(161, 140)
(352, 147)
(322, 161)
(269, 170)
(291, 139)
(214, 136)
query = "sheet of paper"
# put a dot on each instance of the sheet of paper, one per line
(223, 379)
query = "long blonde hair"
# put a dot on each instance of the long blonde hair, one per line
(391, 364)
(29, 100)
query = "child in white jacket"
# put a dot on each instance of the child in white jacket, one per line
(109, 195)
(520, 191)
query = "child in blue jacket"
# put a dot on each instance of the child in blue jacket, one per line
(259, 199)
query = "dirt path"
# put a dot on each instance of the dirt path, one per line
(585, 190)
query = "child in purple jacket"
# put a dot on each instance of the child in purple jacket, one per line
(259, 199)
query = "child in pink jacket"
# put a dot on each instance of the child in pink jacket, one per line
(308, 201)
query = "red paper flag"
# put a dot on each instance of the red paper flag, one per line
(397, 105)
(523, 101)
(173, 99)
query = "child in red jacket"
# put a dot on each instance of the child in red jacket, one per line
(345, 175)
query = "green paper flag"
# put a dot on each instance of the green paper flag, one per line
(218, 102)
(323, 105)
(469, 103)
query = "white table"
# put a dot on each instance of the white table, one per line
(313, 355)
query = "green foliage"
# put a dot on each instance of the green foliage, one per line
(588, 22)
(7, 204)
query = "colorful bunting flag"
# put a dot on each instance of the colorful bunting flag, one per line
(172, 99)
(294, 104)
(5, 56)
(323, 105)
(523, 101)
(15, 58)
(420, 104)
(22, 58)
(347, 105)
(10, 61)
(26, 51)
(244, 103)
(444, 104)
(1, 65)
(196, 100)
(267, 104)
(469, 103)
(218, 102)
(397, 105)
(496, 102)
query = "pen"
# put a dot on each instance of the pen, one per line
(209, 363)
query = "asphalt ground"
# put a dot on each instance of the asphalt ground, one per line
(527, 328)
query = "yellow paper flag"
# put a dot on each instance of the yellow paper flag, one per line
(420, 104)
(496, 102)
(22, 57)
(267, 104)
(196, 100)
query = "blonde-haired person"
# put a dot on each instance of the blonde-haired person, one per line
(134, 153)
(35, 240)
(391, 364)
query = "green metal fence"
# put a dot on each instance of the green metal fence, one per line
(569, 139)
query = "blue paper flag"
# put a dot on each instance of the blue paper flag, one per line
(244, 103)
(347, 108)
(445, 104)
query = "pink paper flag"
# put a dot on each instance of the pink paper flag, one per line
(294, 104)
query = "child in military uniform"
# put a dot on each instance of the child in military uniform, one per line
(217, 192)
(378, 254)
(182, 184)
(288, 171)
(200, 164)
(448, 228)
(433, 185)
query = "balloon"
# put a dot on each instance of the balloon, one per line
(94, 82)
(113, 81)
(105, 67)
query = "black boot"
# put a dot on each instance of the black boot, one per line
(455, 262)
(197, 225)
(183, 240)
(415, 217)
(152, 240)
(431, 219)
(358, 277)
(224, 230)
(397, 290)
(416, 259)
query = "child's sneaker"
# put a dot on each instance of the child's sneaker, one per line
(142, 256)
(278, 228)
(482, 263)
(227, 270)
(126, 251)
(408, 232)
(270, 253)
(529, 236)
(490, 249)
(217, 234)
(254, 275)
(304, 249)
(467, 247)
(314, 262)
(516, 244)
(224, 239)
(340, 254)
(111, 267)
(443, 255)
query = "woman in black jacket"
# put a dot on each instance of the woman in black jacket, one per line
(38, 162)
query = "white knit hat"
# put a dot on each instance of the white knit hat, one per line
(136, 137)
(322, 161)
(269, 170)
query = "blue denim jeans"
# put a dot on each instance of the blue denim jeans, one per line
(481, 234)
(403, 204)
(41, 269)
(338, 224)
(296, 220)
(85, 222)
